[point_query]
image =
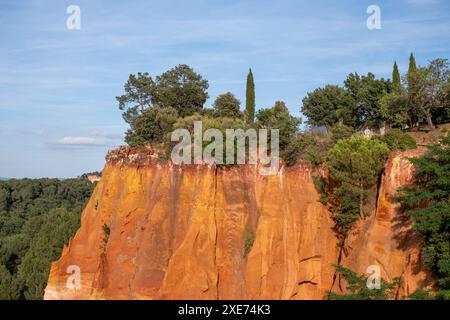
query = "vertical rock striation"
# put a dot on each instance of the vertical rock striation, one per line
(179, 233)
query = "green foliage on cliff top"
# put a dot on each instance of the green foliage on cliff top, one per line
(355, 165)
(397, 140)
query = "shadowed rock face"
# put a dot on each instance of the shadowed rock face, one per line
(386, 238)
(179, 233)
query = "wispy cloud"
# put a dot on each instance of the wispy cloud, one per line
(107, 135)
(78, 141)
(88, 138)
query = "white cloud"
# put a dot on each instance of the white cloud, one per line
(91, 138)
(79, 141)
(107, 135)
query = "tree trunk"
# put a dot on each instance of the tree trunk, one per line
(361, 201)
(430, 121)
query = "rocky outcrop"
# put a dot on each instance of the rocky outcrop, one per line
(180, 233)
(93, 178)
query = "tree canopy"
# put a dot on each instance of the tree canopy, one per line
(37, 217)
(228, 106)
(278, 117)
(330, 105)
(355, 165)
(422, 97)
(180, 88)
(138, 96)
(367, 92)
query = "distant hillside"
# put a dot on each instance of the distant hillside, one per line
(36, 220)
(3, 178)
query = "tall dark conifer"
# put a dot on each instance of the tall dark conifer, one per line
(250, 99)
(396, 85)
(411, 70)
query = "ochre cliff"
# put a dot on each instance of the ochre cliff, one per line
(180, 232)
(386, 238)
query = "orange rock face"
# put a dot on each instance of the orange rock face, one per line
(180, 233)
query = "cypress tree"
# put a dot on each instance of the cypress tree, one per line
(412, 63)
(396, 85)
(411, 70)
(250, 98)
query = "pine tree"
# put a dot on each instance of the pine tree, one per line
(250, 99)
(411, 70)
(396, 85)
(354, 165)
(357, 288)
(428, 203)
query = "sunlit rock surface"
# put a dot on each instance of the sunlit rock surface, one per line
(180, 232)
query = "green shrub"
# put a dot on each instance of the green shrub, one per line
(421, 294)
(358, 290)
(278, 117)
(106, 232)
(306, 146)
(397, 140)
(249, 238)
(340, 132)
(321, 186)
(443, 295)
(152, 126)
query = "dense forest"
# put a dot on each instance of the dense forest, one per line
(37, 217)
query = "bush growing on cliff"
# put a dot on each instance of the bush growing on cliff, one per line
(106, 231)
(222, 124)
(321, 187)
(305, 146)
(420, 294)
(358, 290)
(427, 201)
(397, 140)
(355, 165)
(340, 132)
(249, 238)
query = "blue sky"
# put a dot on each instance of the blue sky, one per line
(58, 114)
